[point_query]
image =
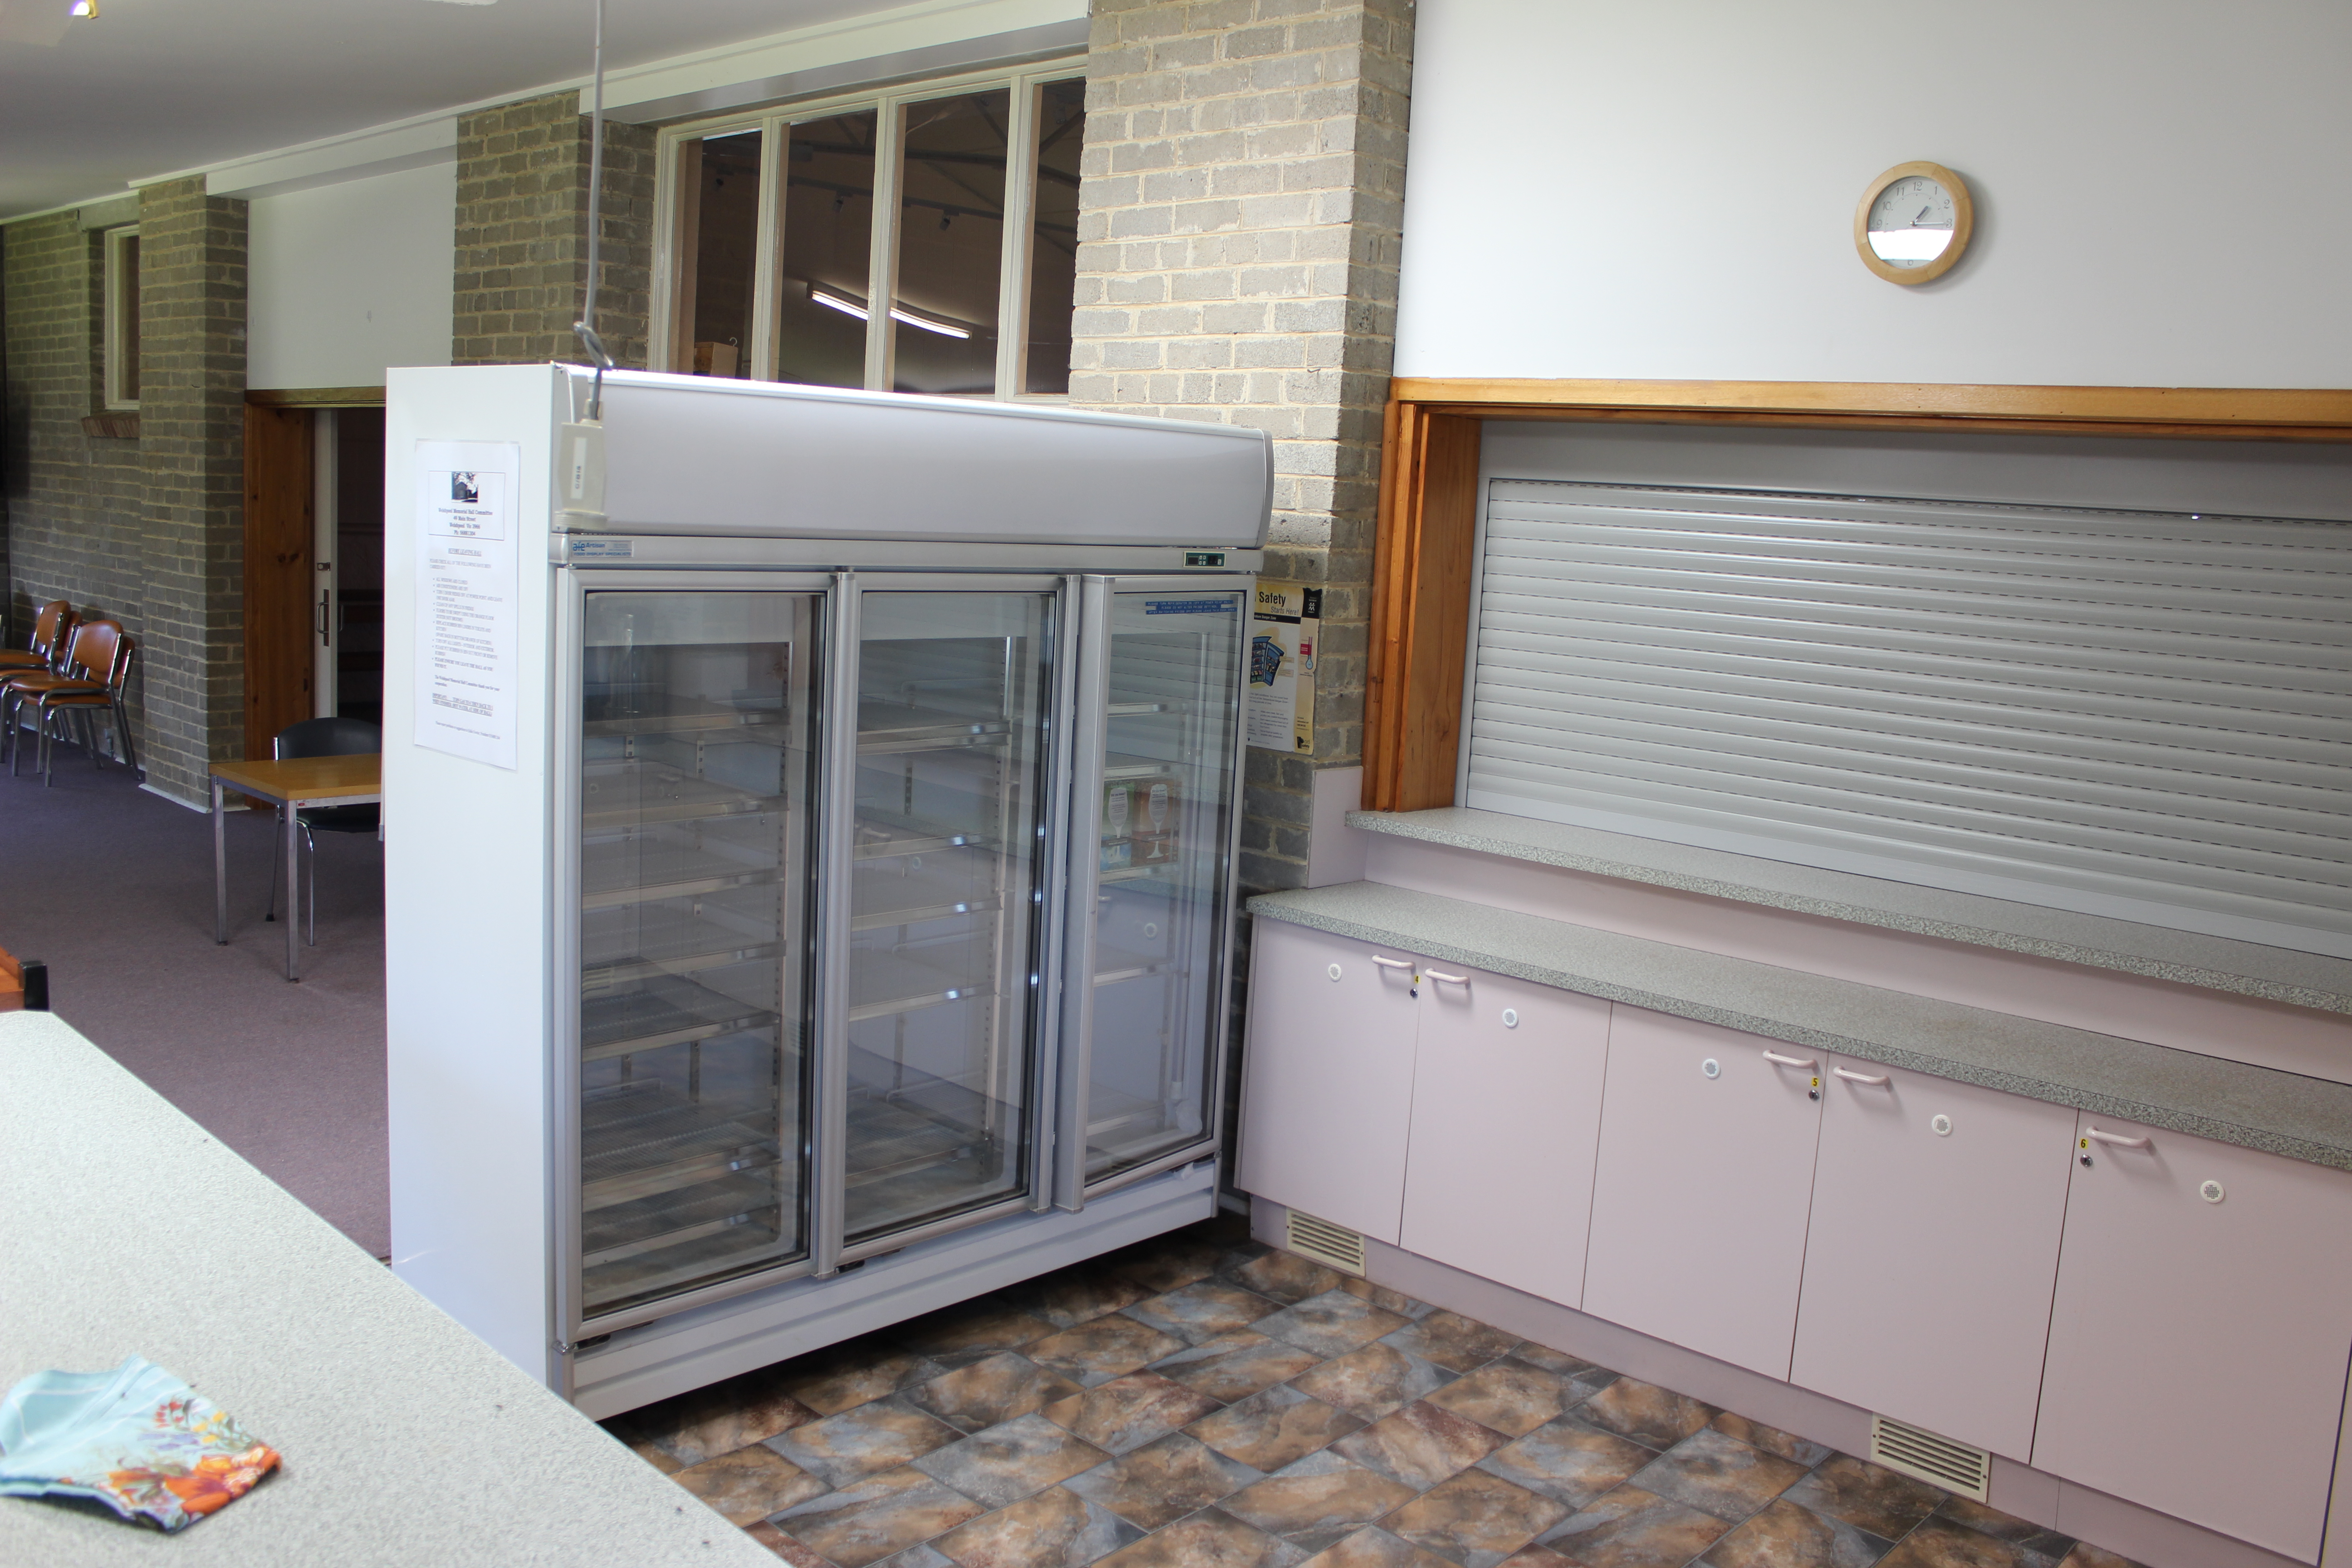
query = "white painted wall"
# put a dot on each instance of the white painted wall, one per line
(1666, 189)
(345, 279)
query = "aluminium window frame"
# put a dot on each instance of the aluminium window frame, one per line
(115, 313)
(669, 330)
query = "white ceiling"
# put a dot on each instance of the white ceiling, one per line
(155, 86)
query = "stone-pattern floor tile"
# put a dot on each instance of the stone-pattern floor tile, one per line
(1866, 1495)
(1101, 1349)
(2086, 1555)
(1287, 1277)
(1169, 1265)
(1330, 1324)
(1007, 1463)
(1419, 1445)
(858, 1372)
(883, 1514)
(978, 1327)
(1236, 1365)
(709, 1422)
(1161, 1482)
(1787, 1536)
(879, 1435)
(785, 1546)
(1055, 1529)
(1584, 1378)
(1452, 1341)
(1076, 1295)
(1719, 1475)
(1568, 1460)
(1536, 1557)
(1941, 1543)
(750, 1484)
(1652, 1417)
(918, 1557)
(1277, 1428)
(1475, 1519)
(1202, 1311)
(1386, 1299)
(1126, 1413)
(1630, 1528)
(1374, 1548)
(1772, 1439)
(1376, 1381)
(2037, 1541)
(1207, 1540)
(1319, 1500)
(995, 1388)
(1508, 1395)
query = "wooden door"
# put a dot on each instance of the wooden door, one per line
(1505, 1120)
(279, 608)
(1327, 1076)
(1701, 1189)
(1932, 1252)
(2198, 1343)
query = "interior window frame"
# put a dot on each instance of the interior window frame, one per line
(670, 344)
(119, 312)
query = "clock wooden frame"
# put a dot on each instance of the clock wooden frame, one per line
(1964, 220)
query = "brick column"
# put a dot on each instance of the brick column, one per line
(522, 234)
(1240, 200)
(192, 313)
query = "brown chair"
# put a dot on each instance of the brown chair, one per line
(101, 661)
(52, 630)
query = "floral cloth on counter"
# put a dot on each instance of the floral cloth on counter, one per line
(136, 1438)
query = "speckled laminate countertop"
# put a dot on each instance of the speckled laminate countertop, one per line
(125, 1227)
(2255, 1108)
(2220, 963)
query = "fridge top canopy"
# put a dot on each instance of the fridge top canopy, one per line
(695, 455)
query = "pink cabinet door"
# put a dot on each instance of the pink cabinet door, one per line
(1505, 1117)
(2198, 1341)
(1327, 1076)
(1700, 1191)
(1933, 1252)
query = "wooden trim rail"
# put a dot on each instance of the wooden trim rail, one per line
(1423, 560)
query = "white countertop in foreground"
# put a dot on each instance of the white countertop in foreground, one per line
(125, 1227)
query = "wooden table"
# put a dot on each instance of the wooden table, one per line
(293, 784)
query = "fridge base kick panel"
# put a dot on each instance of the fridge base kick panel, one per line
(692, 1348)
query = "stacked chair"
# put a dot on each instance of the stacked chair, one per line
(74, 669)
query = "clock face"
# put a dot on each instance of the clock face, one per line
(1913, 222)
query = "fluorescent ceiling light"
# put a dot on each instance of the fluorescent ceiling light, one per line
(849, 307)
(1909, 244)
(82, 8)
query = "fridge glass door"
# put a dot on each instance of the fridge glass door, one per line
(695, 837)
(1160, 900)
(946, 906)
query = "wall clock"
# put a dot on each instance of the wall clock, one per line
(1913, 222)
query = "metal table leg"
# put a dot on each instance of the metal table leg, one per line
(293, 894)
(220, 866)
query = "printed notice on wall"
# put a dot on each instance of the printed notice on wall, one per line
(1283, 632)
(466, 593)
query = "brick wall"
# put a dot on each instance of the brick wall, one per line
(1242, 195)
(522, 236)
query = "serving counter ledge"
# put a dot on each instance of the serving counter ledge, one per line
(2232, 1102)
(125, 1227)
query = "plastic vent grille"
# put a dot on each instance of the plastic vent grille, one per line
(1325, 1243)
(1924, 1457)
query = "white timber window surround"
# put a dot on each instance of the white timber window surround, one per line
(953, 202)
(2138, 713)
(120, 326)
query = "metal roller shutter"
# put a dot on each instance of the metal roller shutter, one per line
(2130, 714)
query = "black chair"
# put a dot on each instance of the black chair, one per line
(322, 738)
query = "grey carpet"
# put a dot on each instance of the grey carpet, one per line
(113, 888)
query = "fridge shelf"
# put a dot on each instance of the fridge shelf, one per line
(883, 835)
(906, 984)
(885, 727)
(891, 1137)
(1137, 874)
(1139, 710)
(1112, 965)
(670, 1219)
(619, 794)
(661, 1010)
(923, 904)
(599, 975)
(685, 717)
(1118, 767)
(636, 1140)
(611, 876)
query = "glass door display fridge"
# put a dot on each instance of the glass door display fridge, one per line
(851, 933)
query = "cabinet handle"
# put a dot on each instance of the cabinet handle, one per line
(1850, 1077)
(1449, 979)
(1789, 1061)
(1391, 962)
(2117, 1139)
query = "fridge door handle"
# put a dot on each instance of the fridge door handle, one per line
(1089, 740)
(836, 799)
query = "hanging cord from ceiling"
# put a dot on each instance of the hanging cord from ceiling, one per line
(585, 328)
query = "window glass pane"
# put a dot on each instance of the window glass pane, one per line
(726, 234)
(951, 244)
(828, 247)
(126, 302)
(1054, 243)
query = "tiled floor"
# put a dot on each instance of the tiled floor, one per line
(1202, 1400)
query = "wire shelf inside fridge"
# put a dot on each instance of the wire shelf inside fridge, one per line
(886, 836)
(661, 1010)
(633, 870)
(882, 984)
(639, 1140)
(885, 727)
(1118, 766)
(685, 716)
(623, 794)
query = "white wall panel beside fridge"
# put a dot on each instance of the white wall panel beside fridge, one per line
(852, 933)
